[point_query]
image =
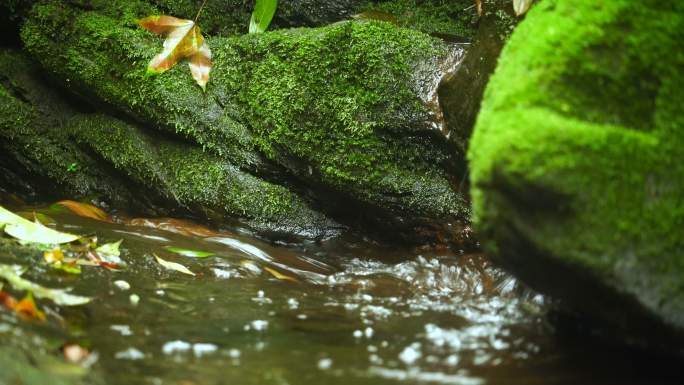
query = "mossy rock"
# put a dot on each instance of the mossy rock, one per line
(51, 150)
(342, 112)
(577, 167)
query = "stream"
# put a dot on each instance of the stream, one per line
(342, 311)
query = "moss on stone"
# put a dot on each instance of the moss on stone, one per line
(448, 18)
(191, 179)
(339, 107)
(74, 154)
(576, 162)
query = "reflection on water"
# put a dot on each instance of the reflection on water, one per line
(333, 313)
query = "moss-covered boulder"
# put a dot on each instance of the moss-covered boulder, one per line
(344, 113)
(51, 149)
(577, 166)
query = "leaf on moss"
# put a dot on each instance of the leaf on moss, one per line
(262, 15)
(184, 40)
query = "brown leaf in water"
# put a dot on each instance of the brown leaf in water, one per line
(86, 210)
(27, 309)
(280, 275)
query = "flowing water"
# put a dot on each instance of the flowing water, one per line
(347, 311)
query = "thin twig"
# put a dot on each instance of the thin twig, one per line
(199, 11)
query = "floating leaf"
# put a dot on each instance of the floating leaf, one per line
(173, 266)
(12, 274)
(190, 253)
(521, 6)
(86, 210)
(54, 255)
(28, 231)
(34, 216)
(280, 275)
(109, 252)
(27, 309)
(55, 258)
(262, 15)
(183, 40)
(178, 226)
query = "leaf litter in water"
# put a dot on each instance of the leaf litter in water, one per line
(183, 40)
(34, 232)
(190, 253)
(173, 265)
(12, 274)
(109, 253)
(86, 210)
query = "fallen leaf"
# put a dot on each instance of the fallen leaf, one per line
(12, 274)
(262, 15)
(28, 231)
(27, 309)
(173, 225)
(183, 40)
(86, 210)
(7, 300)
(280, 275)
(39, 217)
(173, 266)
(109, 252)
(54, 255)
(521, 6)
(190, 253)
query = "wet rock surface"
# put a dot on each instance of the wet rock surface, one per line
(360, 147)
(576, 163)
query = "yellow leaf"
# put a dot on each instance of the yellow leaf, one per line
(173, 266)
(184, 40)
(280, 275)
(27, 309)
(52, 256)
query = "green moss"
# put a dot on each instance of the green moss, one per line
(337, 106)
(577, 153)
(189, 178)
(450, 18)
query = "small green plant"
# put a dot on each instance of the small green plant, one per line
(72, 167)
(262, 15)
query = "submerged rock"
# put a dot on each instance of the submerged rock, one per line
(342, 116)
(577, 167)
